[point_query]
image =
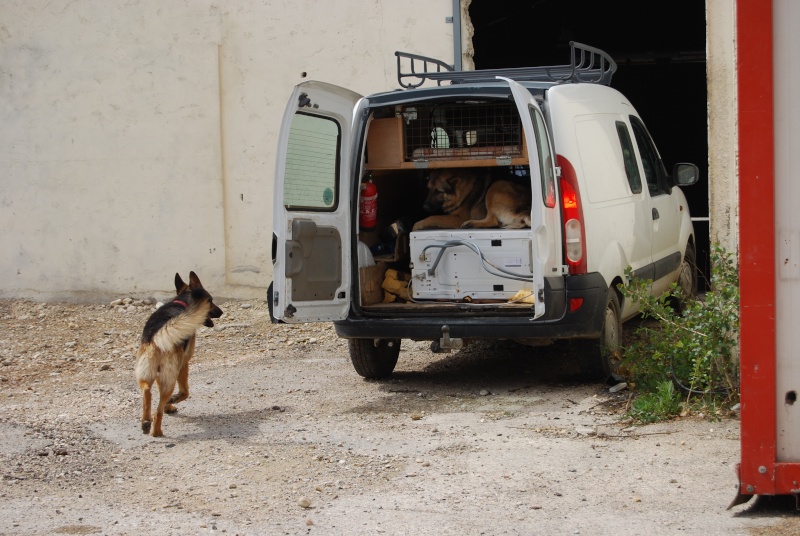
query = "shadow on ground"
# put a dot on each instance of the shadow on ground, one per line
(771, 506)
(474, 377)
(504, 364)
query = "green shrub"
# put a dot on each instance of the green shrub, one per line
(662, 404)
(693, 341)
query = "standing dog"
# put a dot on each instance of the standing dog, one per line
(469, 198)
(167, 345)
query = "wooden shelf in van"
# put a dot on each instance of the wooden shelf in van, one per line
(385, 143)
(386, 150)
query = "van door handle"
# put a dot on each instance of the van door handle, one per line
(655, 214)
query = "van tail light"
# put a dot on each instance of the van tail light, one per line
(572, 212)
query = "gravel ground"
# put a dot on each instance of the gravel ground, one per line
(280, 436)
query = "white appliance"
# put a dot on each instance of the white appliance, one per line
(477, 264)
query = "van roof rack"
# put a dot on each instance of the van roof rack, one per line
(588, 64)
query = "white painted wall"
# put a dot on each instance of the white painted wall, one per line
(723, 174)
(137, 138)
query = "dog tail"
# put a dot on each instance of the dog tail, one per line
(181, 328)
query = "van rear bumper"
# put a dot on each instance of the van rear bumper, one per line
(585, 322)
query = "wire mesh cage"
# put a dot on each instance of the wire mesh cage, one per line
(463, 130)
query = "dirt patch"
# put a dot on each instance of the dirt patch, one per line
(280, 436)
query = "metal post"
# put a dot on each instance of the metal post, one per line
(457, 35)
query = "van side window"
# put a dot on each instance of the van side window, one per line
(545, 159)
(312, 157)
(629, 158)
(654, 172)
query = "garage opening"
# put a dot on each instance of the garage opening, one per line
(660, 51)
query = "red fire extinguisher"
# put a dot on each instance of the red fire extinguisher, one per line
(368, 206)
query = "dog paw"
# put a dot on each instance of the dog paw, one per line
(178, 397)
(145, 427)
(467, 224)
(169, 408)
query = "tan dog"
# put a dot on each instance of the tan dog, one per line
(466, 198)
(168, 342)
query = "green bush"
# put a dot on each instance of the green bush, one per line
(661, 404)
(690, 341)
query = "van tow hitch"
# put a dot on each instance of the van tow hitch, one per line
(445, 344)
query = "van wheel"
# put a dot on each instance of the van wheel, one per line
(687, 281)
(600, 358)
(687, 278)
(374, 358)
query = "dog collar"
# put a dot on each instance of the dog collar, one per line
(185, 305)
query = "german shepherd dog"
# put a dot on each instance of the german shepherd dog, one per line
(468, 198)
(167, 345)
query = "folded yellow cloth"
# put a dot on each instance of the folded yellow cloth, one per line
(523, 295)
(395, 285)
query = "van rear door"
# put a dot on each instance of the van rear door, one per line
(545, 215)
(311, 206)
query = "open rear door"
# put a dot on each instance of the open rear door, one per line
(311, 212)
(544, 210)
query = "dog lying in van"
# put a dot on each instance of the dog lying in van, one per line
(473, 198)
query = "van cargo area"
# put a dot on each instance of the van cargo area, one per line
(441, 266)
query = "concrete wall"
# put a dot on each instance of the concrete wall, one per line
(137, 138)
(722, 128)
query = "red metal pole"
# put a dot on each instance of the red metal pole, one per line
(756, 246)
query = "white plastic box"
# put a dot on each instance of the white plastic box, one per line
(460, 273)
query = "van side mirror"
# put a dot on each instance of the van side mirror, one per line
(685, 174)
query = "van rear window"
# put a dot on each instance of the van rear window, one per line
(312, 157)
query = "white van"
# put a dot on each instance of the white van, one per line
(601, 201)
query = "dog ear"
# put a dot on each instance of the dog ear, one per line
(179, 284)
(194, 281)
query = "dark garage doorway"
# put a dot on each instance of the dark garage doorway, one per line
(660, 50)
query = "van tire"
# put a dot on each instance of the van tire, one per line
(374, 358)
(687, 281)
(599, 358)
(687, 277)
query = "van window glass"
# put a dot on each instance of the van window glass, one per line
(654, 173)
(312, 155)
(546, 171)
(600, 158)
(629, 158)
